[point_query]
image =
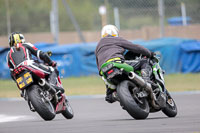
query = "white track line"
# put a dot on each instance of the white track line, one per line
(7, 118)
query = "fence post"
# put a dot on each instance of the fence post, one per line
(54, 20)
(74, 22)
(161, 12)
(116, 17)
(183, 12)
(8, 17)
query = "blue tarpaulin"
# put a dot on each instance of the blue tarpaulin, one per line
(190, 58)
(176, 21)
(177, 56)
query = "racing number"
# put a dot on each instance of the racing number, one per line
(24, 80)
(28, 78)
(20, 82)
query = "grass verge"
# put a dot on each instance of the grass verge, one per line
(92, 85)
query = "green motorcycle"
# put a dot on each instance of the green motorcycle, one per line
(135, 95)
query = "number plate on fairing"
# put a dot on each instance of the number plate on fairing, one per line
(24, 80)
(113, 72)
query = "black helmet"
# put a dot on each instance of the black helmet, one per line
(16, 37)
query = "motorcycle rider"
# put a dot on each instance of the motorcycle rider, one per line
(21, 51)
(111, 47)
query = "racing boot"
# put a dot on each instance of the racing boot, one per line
(110, 95)
(115, 96)
(146, 73)
(61, 89)
(110, 89)
(54, 81)
(59, 94)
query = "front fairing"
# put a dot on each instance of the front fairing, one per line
(158, 74)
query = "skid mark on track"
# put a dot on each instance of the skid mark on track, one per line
(8, 118)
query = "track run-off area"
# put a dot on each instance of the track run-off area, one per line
(94, 115)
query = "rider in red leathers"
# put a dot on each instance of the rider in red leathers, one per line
(21, 51)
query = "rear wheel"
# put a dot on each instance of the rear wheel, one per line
(170, 110)
(41, 105)
(138, 108)
(68, 112)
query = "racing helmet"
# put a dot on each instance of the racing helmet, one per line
(109, 30)
(16, 38)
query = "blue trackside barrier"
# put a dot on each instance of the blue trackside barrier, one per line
(178, 56)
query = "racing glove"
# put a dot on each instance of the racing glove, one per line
(152, 55)
(53, 64)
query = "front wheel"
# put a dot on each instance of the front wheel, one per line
(170, 110)
(68, 112)
(43, 107)
(138, 108)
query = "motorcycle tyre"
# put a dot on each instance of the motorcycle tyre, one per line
(68, 112)
(44, 109)
(168, 110)
(129, 103)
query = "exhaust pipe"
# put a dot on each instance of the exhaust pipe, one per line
(41, 82)
(46, 85)
(147, 86)
(139, 80)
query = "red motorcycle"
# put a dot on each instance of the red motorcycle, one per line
(41, 96)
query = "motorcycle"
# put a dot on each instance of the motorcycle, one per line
(135, 95)
(41, 96)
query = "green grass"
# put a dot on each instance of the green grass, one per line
(182, 82)
(92, 85)
(84, 85)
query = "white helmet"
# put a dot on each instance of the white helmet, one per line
(109, 30)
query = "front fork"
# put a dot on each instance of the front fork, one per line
(158, 74)
(160, 95)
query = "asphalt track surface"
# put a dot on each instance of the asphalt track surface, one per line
(94, 115)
